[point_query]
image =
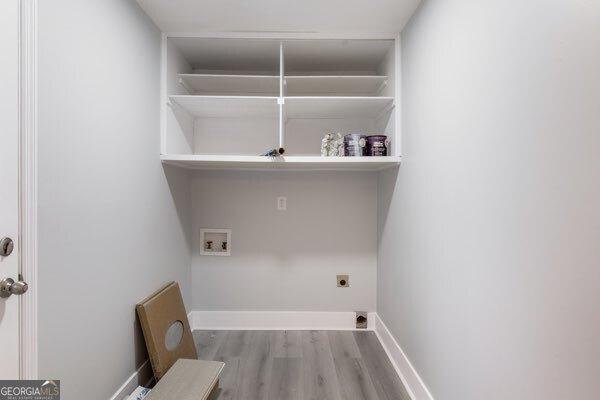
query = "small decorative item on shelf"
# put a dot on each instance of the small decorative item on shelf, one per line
(377, 145)
(274, 152)
(332, 145)
(209, 245)
(355, 145)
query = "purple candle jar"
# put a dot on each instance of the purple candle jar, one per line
(376, 145)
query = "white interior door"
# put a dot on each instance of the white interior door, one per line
(9, 182)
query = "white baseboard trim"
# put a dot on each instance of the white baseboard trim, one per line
(276, 320)
(411, 379)
(143, 372)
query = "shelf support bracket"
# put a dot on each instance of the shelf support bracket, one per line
(381, 86)
(186, 86)
(385, 111)
(178, 108)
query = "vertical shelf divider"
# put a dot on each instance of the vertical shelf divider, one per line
(281, 100)
(398, 97)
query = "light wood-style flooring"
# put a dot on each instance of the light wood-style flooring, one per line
(301, 365)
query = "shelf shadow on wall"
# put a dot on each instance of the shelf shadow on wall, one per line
(185, 121)
(178, 180)
(386, 191)
(327, 212)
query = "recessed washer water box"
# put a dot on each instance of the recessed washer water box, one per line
(215, 242)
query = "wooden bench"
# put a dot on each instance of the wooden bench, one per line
(189, 380)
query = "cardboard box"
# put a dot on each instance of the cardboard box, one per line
(165, 324)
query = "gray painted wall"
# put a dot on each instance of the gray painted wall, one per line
(287, 260)
(112, 221)
(489, 233)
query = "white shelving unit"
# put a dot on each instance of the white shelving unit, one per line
(229, 100)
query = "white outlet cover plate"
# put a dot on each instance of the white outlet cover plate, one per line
(282, 203)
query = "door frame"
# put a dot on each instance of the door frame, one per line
(28, 131)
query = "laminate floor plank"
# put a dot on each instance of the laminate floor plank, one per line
(343, 344)
(319, 374)
(229, 381)
(285, 382)
(208, 343)
(387, 383)
(255, 367)
(230, 342)
(353, 376)
(286, 344)
(355, 380)
(236, 342)
(301, 365)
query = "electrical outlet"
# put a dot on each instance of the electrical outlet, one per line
(282, 203)
(343, 280)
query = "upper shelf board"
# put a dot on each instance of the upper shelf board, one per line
(228, 106)
(267, 85)
(354, 57)
(244, 55)
(299, 85)
(295, 107)
(301, 56)
(362, 85)
(337, 107)
(310, 163)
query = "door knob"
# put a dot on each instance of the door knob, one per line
(6, 246)
(8, 287)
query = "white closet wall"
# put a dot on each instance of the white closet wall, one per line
(286, 260)
(113, 222)
(489, 248)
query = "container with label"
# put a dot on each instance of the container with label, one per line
(376, 145)
(355, 145)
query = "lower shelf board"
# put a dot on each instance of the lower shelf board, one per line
(310, 163)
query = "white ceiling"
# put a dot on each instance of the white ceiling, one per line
(278, 16)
